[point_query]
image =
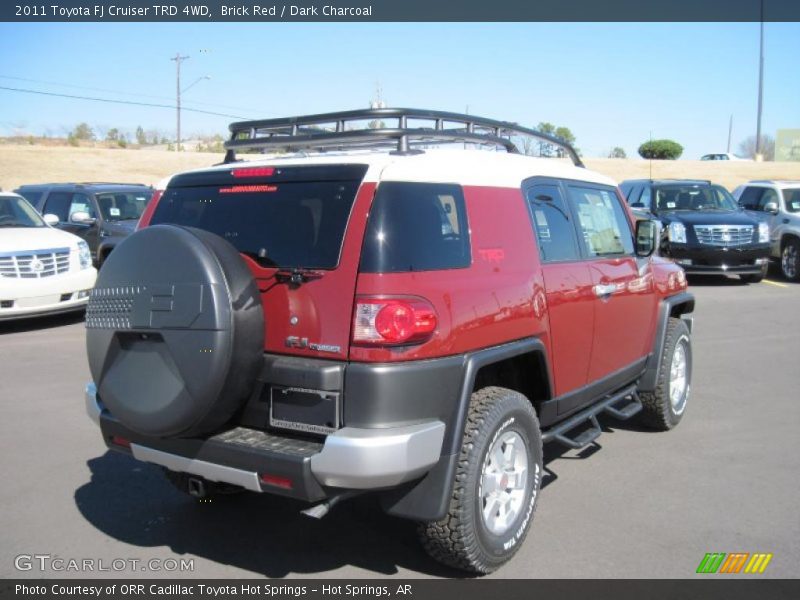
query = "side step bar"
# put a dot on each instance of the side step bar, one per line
(610, 404)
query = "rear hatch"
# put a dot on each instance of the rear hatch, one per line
(300, 229)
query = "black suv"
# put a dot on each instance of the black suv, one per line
(103, 214)
(705, 231)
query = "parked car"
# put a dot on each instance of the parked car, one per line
(389, 317)
(42, 270)
(779, 203)
(722, 156)
(706, 232)
(102, 214)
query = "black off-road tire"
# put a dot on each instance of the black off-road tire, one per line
(658, 412)
(461, 539)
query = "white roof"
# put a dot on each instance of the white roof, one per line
(463, 167)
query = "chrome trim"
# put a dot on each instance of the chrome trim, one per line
(93, 408)
(724, 235)
(374, 458)
(206, 470)
(34, 264)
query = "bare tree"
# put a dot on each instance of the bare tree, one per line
(747, 147)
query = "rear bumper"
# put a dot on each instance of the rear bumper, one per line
(352, 458)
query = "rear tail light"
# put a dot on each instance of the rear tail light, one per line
(253, 172)
(393, 321)
(276, 481)
(120, 441)
(144, 220)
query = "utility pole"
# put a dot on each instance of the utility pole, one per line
(178, 59)
(760, 85)
(730, 130)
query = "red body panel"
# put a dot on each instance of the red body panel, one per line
(487, 304)
(571, 316)
(624, 321)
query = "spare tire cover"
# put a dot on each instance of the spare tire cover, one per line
(175, 331)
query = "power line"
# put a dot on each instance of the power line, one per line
(130, 102)
(96, 89)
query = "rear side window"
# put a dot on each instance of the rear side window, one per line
(299, 224)
(416, 227)
(555, 233)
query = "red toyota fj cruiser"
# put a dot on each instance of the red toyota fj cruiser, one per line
(412, 321)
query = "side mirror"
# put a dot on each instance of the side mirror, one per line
(51, 219)
(81, 217)
(638, 205)
(771, 207)
(647, 233)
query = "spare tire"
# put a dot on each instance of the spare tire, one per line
(175, 331)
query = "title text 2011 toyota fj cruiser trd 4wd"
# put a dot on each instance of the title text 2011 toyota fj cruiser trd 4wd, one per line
(415, 322)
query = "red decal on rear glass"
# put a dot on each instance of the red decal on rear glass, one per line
(243, 189)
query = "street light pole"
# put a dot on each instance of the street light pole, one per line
(760, 85)
(178, 59)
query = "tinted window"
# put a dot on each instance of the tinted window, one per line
(646, 198)
(81, 203)
(555, 232)
(416, 227)
(694, 197)
(122, 206)
(16, 212)
(602, 221)
(749, 197)
(792, 199)
(768, 196)
(58, 204)
(32, 197)
(293, 224)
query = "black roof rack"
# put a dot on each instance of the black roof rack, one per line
(339, 130)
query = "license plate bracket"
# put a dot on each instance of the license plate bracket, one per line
(300, 409)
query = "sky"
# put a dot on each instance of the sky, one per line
(612, 84)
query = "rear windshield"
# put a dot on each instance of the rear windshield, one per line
(287, 225)
(416, 227)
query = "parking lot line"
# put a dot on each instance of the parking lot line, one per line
(775, 283)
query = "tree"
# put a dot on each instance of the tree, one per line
(83, 132)
(748, 147)
(546, 148)
(565, 134)
(617, 152)
(661, 149)
(113, 135)
(140, 137)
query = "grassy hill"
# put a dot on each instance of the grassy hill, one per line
(20, 164)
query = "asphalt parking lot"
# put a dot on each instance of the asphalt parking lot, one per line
(638, 504)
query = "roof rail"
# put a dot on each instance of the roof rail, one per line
(337, 130)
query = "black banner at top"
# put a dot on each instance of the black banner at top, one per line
(272, 11)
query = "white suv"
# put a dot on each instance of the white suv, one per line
(778, 202)
(42, 270)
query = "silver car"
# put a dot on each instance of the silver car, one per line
(778, 203)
